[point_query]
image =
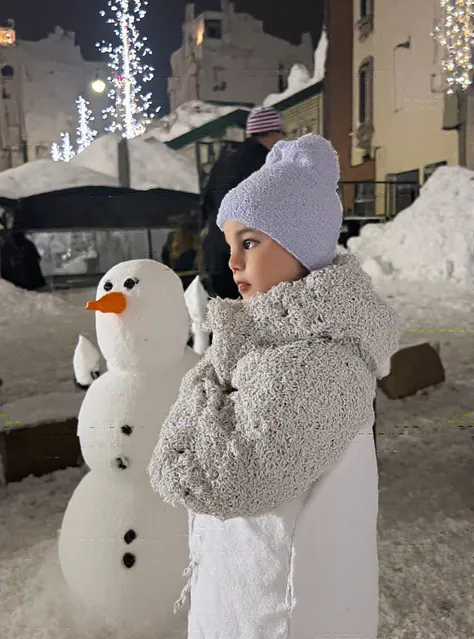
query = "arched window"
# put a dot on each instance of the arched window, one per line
(366, 75)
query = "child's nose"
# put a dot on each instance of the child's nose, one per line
(235, 263)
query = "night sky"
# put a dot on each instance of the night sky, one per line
(286, 19)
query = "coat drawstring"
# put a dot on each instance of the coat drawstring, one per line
(187, 574)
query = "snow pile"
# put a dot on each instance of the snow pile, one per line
(432, 240)
(152, 164)
(20, 304)
(185, 118)
(300, 78)
(43, 176)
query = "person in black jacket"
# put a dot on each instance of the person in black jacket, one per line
(265, 129)
(20, 262)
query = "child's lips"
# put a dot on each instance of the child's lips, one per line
(243, 286)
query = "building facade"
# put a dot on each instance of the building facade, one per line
(302, 112)
(399, 91)
(339, 92)
(357, 180)
(227, 57)
(40, 83)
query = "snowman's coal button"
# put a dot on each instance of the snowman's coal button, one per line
(122, 463)
(128, 559)
(127, 430)
(130, 536)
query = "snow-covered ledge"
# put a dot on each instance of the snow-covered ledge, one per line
(40, 409)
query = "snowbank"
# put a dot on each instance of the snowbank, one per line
(16, 303)
(300, 78)
(43, 176)
(40, 409)
(153, 165)
(432, 240)
(185, 118)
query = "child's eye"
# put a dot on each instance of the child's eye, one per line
(248, 244)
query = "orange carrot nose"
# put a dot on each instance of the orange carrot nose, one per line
(110, 303)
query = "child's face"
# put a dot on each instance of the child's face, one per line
(258, 262)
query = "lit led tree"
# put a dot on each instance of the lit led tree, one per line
(55, 152)
(455, 33)
(129, 108)
(85, 134)
(63, 152)
(67, 151)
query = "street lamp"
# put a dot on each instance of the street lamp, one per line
(98, 85)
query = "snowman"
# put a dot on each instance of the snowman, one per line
(122, 550)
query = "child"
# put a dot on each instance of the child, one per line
(269, 444)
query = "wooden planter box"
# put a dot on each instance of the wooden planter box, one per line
(39, 450)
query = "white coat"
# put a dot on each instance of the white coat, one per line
(270, 447)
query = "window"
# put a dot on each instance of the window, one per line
(402, 190)
(430, 169)
(366, 19)
(364, 199)
(366, 8)
(365, 91)
(42, 152)
(213, 29)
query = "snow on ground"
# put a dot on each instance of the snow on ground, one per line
(431, 240)
(300, 78)
(190, 115)
(152, 164)
(42, 176)
(426, 478)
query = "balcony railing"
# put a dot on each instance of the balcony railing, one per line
(377, 200)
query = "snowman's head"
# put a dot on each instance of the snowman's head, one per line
(141, 321)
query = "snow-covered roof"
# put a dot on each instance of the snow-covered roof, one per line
(300, 78)
(187, 117)
(432, 239)
(152, 164)
(43, 176)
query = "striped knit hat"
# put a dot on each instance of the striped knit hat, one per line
(264, 120)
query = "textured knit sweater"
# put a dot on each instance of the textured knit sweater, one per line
(286, 386)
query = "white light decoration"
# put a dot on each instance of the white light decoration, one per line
(62, 152)
(85, 134)
(67, 151)
(55, 152)
(455, 34)
(129, 108)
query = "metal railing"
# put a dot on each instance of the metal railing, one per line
(363, 200)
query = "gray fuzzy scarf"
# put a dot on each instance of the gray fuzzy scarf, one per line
(287, 384)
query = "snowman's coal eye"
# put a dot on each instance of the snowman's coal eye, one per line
(108, 286)
(130, 283)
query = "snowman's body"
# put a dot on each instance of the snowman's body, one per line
(122, 550)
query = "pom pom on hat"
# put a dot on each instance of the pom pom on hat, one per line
(293, 199)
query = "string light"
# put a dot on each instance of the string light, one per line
(85, 134)
(456, 35)
(128, 111)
